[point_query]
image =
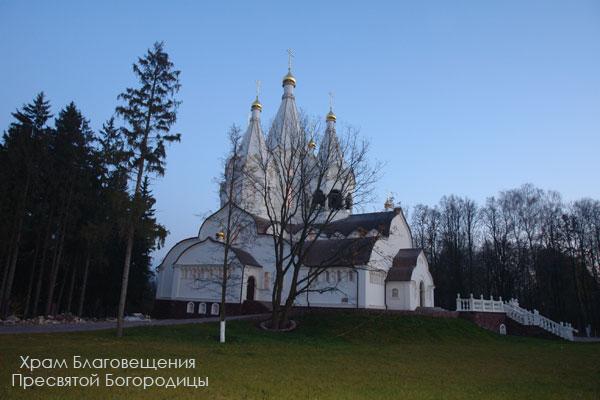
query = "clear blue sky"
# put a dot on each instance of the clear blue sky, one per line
(456, 97)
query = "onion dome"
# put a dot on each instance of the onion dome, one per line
(220, 235)
(331, 116)
(289, 79)
(256, 105)
(312, 144)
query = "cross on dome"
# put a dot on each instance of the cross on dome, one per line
(289, 79)
(290, 56)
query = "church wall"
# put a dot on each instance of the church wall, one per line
(374, 289)
(244, 227)
(165, 269)
(203, 283)
(197, 273)
(403, 301)
(342, 293)
(387, 247)
(421, 274)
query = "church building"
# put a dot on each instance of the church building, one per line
(365, 260)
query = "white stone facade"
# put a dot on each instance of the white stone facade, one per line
(388, 273)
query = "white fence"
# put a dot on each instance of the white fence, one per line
(479, 305)
(512, 310)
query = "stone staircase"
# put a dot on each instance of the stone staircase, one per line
(534, 318)
(516, 313)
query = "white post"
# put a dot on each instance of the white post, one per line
(222, 332)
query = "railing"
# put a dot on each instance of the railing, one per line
(480, 304)
(512, 310)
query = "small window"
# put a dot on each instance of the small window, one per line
(339, 276)
(327, 276)
(196, 284)
(345, 300)
(318, 199)
(351, 276)
(190, 307)
(394, 292)
(349, 202)
(202, 308)
(335, 200)
(214, 309)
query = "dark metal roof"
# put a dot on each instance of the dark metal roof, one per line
(245, 257)
(379, 221)
(403, 265)
(338, 252)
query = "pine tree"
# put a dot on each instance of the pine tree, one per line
(149, 111)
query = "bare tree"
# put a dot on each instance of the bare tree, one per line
(291, 181)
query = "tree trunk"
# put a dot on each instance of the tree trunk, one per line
(30, 285)
(129, 249)
(54, 272)
(5, 274)
(63, 283)
(83, 285)
(15, 253)
(58, 253)
(38, 288)
(71, 287)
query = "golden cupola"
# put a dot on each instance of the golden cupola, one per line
(256, 105)
(330, 116)
(289, 79)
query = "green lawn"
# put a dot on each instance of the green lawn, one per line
(344, 356)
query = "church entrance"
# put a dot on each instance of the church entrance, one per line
(422, 294)
(250, 288)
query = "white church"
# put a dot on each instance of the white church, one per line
(365, 260)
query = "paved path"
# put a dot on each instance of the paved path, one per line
(101, 325)
(584, 339)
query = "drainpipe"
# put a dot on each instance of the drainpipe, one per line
(357, 298)
(242, 288)
(385, 294)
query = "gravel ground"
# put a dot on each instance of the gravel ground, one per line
(100, 325)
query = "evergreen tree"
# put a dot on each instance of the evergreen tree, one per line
(149, 110)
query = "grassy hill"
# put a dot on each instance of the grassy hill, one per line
(331, 356)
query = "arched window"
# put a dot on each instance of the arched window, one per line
(196, 284)
(214, 309)
(394, 292)
(349, 201)
(318, 199)
(422, 294)
(190, 307)
(335, 200)
(202, 308)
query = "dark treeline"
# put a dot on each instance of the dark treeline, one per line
(77, 213)
(75, 203)
(526, 243)
(63, 208)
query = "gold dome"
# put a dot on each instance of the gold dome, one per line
(311, 144)
(220, 235)
(256, 104)
(331, 116)
(289, 78)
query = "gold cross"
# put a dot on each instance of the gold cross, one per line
(330, 101)
(290, 56)
(257, 88)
